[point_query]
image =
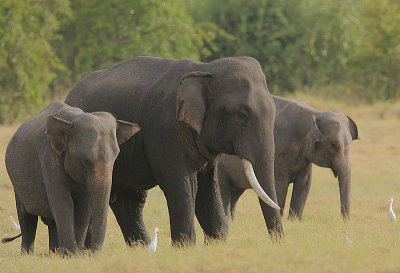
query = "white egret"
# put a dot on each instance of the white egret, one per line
(346, 237)
(392, 216)
(153, 245)
(16, 226)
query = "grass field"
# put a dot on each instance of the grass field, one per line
(316, 244)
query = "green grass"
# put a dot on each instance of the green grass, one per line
(316, 244)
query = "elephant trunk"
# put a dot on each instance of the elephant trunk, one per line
(99, 188)
(344, 175)
(259, 170)
(257, 153)
(264, 170)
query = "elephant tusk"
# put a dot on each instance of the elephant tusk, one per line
(251, 177)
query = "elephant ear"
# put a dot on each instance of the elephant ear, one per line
(191, 100)
(58, 131)
(353, 129)
(125, 130)
(314, 130)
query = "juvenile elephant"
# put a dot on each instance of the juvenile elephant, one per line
(189, 112)
(303, 135)
(60, 163)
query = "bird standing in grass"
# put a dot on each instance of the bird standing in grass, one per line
(153, 245)
(392, 216)
(16, 226)
(346, 237)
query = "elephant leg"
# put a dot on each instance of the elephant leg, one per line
(181, 207)
(209, 208)
(301, 188)
(281, 187)
(52, 231)
(128, 210)
(28, 224)
(53, 236)
(235, 195)
(88, 240)
(226, 197)
(62, 208)
(81, 219)
(225, 190)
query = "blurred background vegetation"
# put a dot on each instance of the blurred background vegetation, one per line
(349, 49)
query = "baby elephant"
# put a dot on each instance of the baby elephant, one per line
(60, 163)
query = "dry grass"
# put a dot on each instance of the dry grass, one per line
(314, 245)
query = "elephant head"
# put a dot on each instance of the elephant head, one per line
(328, 145)
(231, 111)
(89, 147)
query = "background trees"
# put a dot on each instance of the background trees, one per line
(297, 42)
(375, 63)
(28, 62)
(103, 33)
(47, 45)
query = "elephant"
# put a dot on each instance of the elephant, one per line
(60, 163)
(189, 112)
(303, 135)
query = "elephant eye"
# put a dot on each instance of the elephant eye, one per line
(243, 114)
(85, 162)
(317, 145)
(334, 146)
(224, 115)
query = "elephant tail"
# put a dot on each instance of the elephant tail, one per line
(9, 239)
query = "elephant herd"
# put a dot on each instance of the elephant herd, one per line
(208, 131)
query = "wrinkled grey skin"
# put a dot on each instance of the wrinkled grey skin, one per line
(300, 139)
(189, 112)
(60, 163)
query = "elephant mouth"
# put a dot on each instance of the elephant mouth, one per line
(197, 146)
(252, 179)
(335, 173)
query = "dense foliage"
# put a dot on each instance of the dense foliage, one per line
(46, 46)
(103, 33)
(28, 62)
(297, 42)
(375, 62)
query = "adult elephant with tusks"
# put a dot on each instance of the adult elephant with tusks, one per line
(189, 112)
